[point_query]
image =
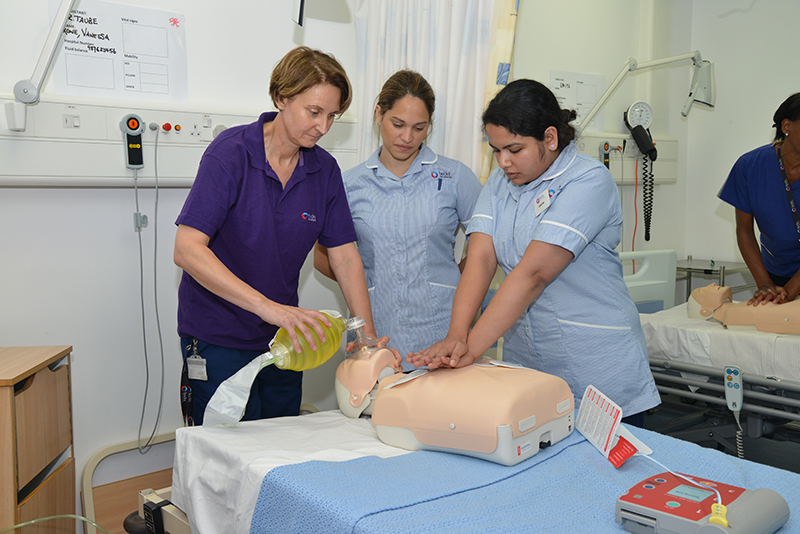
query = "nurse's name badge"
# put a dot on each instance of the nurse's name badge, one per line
(541, 203)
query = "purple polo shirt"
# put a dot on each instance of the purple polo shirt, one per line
(259, 230)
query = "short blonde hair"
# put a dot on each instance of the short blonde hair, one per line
(303, 68)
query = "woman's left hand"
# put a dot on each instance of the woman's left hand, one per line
(449, 352)
(769, 293)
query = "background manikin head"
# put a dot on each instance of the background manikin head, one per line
(706, 300)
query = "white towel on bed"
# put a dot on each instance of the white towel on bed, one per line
(218, 471)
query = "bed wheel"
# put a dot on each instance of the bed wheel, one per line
(134, 524)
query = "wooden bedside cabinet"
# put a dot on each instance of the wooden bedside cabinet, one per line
(35, 431)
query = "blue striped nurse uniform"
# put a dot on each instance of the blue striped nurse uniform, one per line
(583, 327)
(406, 236)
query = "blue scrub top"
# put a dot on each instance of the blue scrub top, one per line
(406, 236)
(584, 327)
(755, 186)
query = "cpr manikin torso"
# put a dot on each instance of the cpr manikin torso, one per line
(716, 302)
(491, 410)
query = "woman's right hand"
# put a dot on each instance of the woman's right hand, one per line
(769, 293)
(450, 352)
(291, 317)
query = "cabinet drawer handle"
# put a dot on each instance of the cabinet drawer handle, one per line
(20, 387)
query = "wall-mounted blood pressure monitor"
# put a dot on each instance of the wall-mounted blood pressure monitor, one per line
(638, 118)
(666, 503)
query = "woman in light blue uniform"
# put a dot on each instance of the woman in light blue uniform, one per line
(550, 218)
(407, 204)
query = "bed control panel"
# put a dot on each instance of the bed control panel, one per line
(733, 388)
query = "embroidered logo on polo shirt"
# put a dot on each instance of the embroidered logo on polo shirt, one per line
(309, 217)
(442, 174)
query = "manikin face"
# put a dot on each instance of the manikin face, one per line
(309, 115)
(403, 128)
(712, 296)
(523, 158)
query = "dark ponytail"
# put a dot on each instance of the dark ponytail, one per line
(528, 108)
(789, 109)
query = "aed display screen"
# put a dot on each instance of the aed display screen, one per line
(690, 492)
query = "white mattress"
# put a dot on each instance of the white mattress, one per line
(672, 335)
(218, 471)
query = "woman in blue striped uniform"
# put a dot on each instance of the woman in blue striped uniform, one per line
(551, 219)
(407, 203)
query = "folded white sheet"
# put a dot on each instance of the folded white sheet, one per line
(218, 471)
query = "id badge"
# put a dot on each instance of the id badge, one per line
(197, 368)
(541, 202)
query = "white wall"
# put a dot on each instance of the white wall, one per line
(752, 45)
(597, 38)
(69, 269)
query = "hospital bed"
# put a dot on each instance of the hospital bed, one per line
(651, 280)
(688, 356)
(325, 472)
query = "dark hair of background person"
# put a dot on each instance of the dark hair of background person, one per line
(789, 109)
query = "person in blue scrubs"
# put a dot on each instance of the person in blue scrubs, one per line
(407, 204)
(763, 187)
(551, 219)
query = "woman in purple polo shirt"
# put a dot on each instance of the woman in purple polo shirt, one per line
(264, 194)
(764, 187)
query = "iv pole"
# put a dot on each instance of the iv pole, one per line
(27, 91)
(702, 89)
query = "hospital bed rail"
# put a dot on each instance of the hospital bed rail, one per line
(658, 366)
(770, 403)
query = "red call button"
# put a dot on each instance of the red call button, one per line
(167, 126)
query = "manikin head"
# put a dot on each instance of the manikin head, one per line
(706, 300)
(357, 379)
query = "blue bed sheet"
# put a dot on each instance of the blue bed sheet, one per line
(569, 487)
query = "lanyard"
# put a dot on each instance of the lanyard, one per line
(789, 193)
